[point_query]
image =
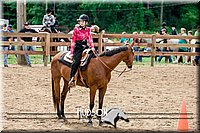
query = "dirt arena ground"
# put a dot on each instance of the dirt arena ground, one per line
(146, 90)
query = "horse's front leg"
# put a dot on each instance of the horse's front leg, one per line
(102, 92)
(92, 97)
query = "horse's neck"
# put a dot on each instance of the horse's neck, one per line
(113, 61)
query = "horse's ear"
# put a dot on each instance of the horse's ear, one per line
(125, 44)
(117, 115)
(132, 43)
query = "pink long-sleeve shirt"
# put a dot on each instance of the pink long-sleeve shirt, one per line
(81, 34)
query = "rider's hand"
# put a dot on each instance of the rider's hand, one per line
(71, 55)
(22, 41)
(93, 49)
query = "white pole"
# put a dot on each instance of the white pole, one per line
(161, 13)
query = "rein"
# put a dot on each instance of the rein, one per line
(121, 72)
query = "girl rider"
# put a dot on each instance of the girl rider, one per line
(81, 35)
(49, 21)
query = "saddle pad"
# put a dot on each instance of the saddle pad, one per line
(66, 59)
(69, 59)
(61, 59)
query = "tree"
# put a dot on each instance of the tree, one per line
(189, 17)
(35, 13)
(115, 18)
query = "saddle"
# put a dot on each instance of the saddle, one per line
(67, 60)
(85, 55)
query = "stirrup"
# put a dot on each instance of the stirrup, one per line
(72, 82)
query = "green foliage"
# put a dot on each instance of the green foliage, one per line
(10, 12)
(190, 16)
(35, 13)
(112, 17)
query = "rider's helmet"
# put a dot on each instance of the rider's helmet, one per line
(48, 11)
(164, 24)
(173, 25)
(26, 23)
(83, 17)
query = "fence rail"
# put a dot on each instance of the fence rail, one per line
(47, 41)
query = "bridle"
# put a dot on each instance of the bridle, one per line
(121, 72)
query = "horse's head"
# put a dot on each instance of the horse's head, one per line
(122, 116)
(130, 57)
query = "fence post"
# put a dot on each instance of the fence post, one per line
(100, 43)
(47, 48)
(192, 50)
(153, 49)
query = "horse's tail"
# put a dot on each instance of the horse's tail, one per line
(53, 93)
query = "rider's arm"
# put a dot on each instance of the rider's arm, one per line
(73, 40)
(52, 20)
(44, 20)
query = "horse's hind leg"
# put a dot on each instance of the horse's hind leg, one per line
(63, 96)
(57, 96)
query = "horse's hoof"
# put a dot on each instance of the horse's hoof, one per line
(98, 117)
(89, 123)
(63, 116)
(100, 123)
(64, 119)
(59, 117)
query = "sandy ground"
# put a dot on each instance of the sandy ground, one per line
(146, 90)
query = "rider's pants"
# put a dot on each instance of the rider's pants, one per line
(80, 46)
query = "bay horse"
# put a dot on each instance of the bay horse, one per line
(97, 76)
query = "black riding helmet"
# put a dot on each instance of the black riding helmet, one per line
(83, 17)
(164, 24)
(48, 11)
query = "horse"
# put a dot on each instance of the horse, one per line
(97, 76)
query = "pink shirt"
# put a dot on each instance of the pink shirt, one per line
(81, 34)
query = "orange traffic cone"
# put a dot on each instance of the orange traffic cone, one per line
(183, 120)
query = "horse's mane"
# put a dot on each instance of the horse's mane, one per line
(114, 51)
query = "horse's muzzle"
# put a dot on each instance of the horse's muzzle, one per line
(129, 66)
(126, 120)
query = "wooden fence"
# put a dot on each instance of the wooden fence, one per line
(48, 42)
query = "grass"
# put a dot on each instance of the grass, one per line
(38, 59)
(35, 59)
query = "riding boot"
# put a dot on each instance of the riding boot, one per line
(79, 48)
(72, 82)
